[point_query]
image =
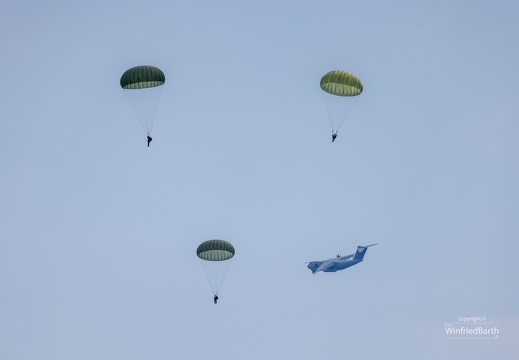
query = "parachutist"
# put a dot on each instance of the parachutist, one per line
(340, 90)
(143, 85)
(149, 140)
(215, 256)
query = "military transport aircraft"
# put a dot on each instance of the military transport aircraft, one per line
(339, 262)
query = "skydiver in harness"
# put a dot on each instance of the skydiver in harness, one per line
(334, 135)
(149, 139)
(215, 298)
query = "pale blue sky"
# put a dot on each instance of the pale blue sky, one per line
(98, 233)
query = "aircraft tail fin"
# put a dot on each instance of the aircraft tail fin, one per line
(361, 251)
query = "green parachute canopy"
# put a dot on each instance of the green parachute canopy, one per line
(215, 256)
(341, 83)
(142, 77)
(215, 250)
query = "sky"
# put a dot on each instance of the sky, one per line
(98, 233)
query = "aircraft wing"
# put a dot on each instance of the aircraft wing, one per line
(325, 264)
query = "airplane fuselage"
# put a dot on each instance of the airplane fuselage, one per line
(341, 265)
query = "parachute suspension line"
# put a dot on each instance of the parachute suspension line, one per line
(224, 274)
(147, 120)
(145, 103)
(215, 272)
(338, 108)
(133, 98)
(153, 103)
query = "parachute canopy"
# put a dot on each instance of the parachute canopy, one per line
(215, 256)
(341, 83)
(142, 77)
(215, 250)
(340, 92)
(143, 87)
